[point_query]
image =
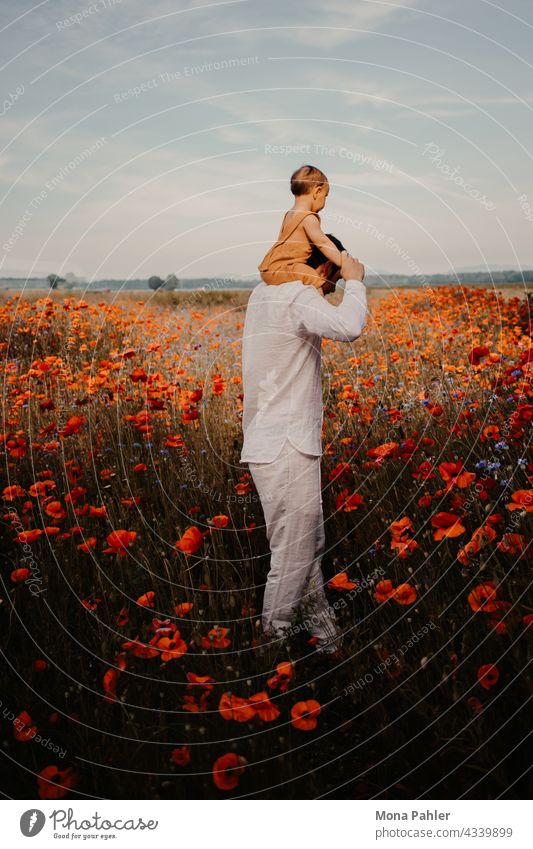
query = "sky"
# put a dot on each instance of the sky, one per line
(155, 138)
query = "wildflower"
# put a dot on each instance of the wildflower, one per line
(488, 675)
(227, 771)
(304, 715)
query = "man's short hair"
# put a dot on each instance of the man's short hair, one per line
(317, 257)
(305, 179)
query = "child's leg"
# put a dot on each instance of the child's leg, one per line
(307, 275)
(279, 276)
(287, 274)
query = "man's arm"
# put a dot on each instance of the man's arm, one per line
(313, 314)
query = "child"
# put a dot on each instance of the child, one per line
(300, 231)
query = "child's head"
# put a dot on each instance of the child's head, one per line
(308, 180)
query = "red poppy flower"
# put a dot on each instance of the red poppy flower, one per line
(138, 374)
(174, 442)
(127, 354)
(122, 617)
(341, 582)
(381, 452)
(227, 771)
(75, 495)
(513, 544)
(12, 492)
(284, 674)
(172, 648)
(481, 537)
(304, 715)
(89, 544)
(401, 527)
(425, 472)
(118, 542)
(475, 704)
(110, 685)
(483, 598)
(147, 599)
(53, 783)
(216, 639)
(384, 590)
(404, 547)
(342, 472)
(404, 594)
(477, 353)
(23, 728)
(448, 524)
(91, 603)
(73, 425)
(347, 501)
(191, 540)
(219, 521)
(55, 510)
(205, 682)
(454, 475)
(181, 756)
(488, 675)
(263, 707)
(29, 536)
(18, 576)
(522, 500)
(235, 707)
(138, 649)
(190, 412)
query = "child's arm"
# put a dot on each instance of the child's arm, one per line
(318, 238)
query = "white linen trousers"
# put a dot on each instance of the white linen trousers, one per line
(290, 491)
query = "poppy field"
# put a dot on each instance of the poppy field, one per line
(134, 557)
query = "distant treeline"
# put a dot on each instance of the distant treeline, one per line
(511, 277)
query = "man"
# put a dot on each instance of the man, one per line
(282, 425)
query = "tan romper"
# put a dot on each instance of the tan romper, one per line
(286, 259)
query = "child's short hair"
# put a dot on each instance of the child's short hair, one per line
(306, 178)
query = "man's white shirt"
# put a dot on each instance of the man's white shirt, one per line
(281, 363)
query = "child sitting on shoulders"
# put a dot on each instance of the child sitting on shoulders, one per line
(300, 232)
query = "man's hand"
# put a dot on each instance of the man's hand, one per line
(351, 268)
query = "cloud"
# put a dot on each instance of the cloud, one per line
(338, 21)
